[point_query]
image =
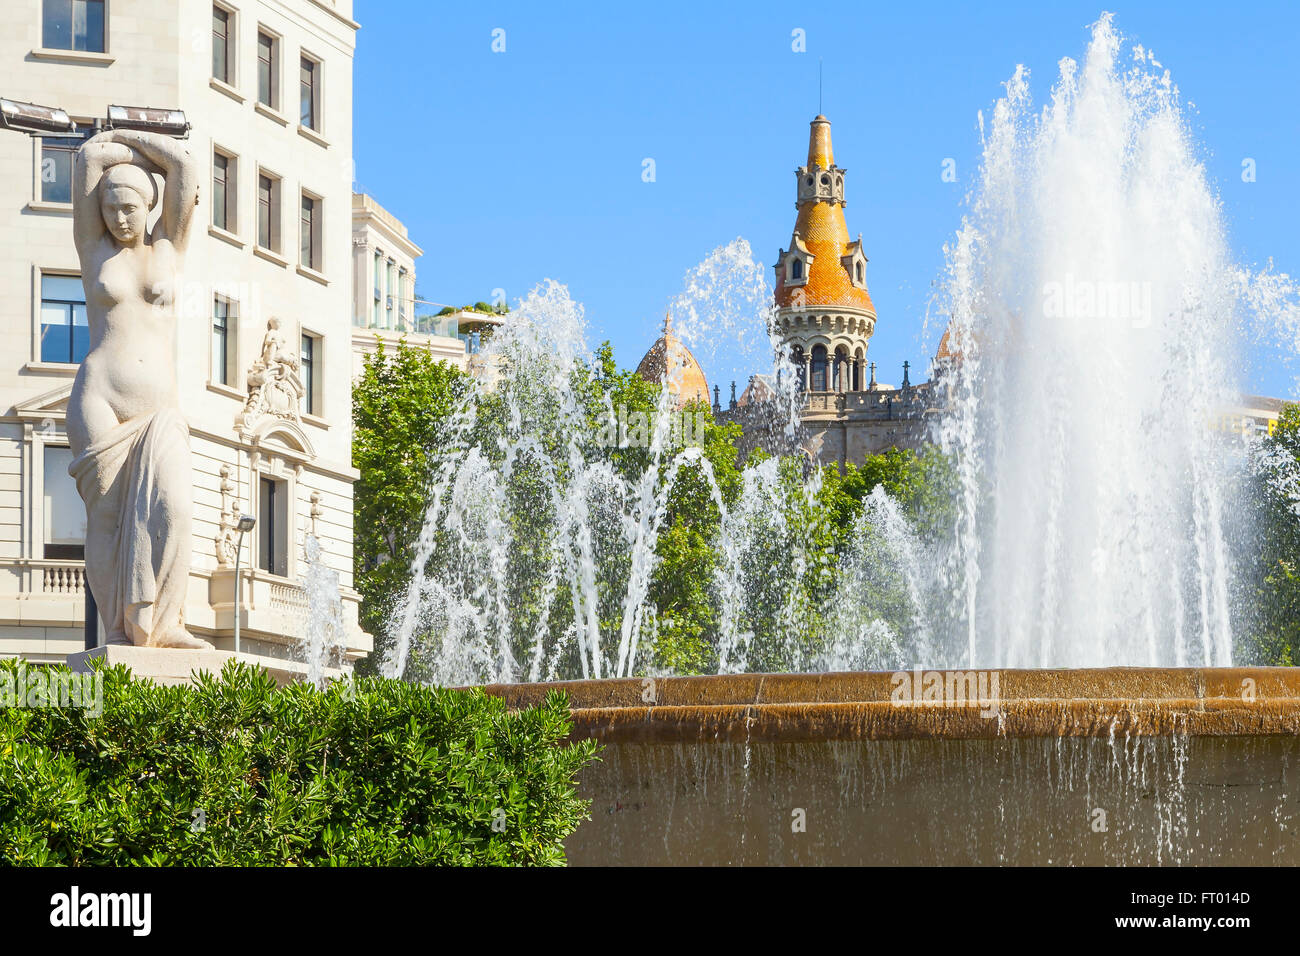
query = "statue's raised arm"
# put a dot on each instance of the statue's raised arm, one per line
(171, 157)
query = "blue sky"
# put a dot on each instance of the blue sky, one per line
(512, 167)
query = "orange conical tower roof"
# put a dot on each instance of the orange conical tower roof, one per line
(821, 236)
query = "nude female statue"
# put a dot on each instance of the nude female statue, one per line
(129, 440)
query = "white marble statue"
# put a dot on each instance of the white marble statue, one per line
(129, 440)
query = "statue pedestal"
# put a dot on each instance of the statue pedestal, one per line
(172, 665)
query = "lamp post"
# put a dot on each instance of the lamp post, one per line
(246, 523)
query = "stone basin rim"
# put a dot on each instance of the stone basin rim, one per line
(863, 705)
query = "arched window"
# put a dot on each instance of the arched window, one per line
(840, 370)
(860, 273)
(819, 368)
(796, 269)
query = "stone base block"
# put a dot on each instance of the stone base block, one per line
(171, 665)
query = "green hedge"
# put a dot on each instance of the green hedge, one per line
(235, 772)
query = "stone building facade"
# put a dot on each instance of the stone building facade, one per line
(265, 319)
(384, 304)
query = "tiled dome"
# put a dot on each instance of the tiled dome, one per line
(669, 356)
(948, 354)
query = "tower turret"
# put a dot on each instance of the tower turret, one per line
(824, 313)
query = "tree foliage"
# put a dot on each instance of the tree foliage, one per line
(1272, 635)
(402, 410)
(405, 407)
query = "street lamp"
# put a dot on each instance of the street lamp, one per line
(33, 119)
(37, 120)
(246, 523)
(149, 120)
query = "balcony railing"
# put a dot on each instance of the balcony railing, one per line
(69, 579)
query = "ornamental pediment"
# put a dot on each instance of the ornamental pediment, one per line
(51, 404)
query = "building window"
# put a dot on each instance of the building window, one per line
(65, 336)
(225, 323)
(819, 368)
(268, 70)
(309, 233)
(272, 527)
(56, 167)
(309, 363)
(392, 293)
(223, 48)
(379, 292)
(309, 93)
(268, 212)
(860, 273)
(73, 25)
(796, 269)
(65, 515)
(225, 191)
(401, 298)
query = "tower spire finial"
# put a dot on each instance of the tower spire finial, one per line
(819, 86)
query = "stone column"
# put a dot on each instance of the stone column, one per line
(807, 371)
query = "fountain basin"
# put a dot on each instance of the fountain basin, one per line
(1075, 767)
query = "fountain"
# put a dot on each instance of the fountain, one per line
(324, 640)
(1094, 303)
(1086, 587)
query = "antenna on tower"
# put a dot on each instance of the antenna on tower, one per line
(819, 86)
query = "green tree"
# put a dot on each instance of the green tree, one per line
(403, 407)
(683, 586)
(923, 482)
(1272, 635)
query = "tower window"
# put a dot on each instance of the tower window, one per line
(819, 364)
(860, 273)
(796, 269)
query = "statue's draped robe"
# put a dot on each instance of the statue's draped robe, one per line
(137, 484)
